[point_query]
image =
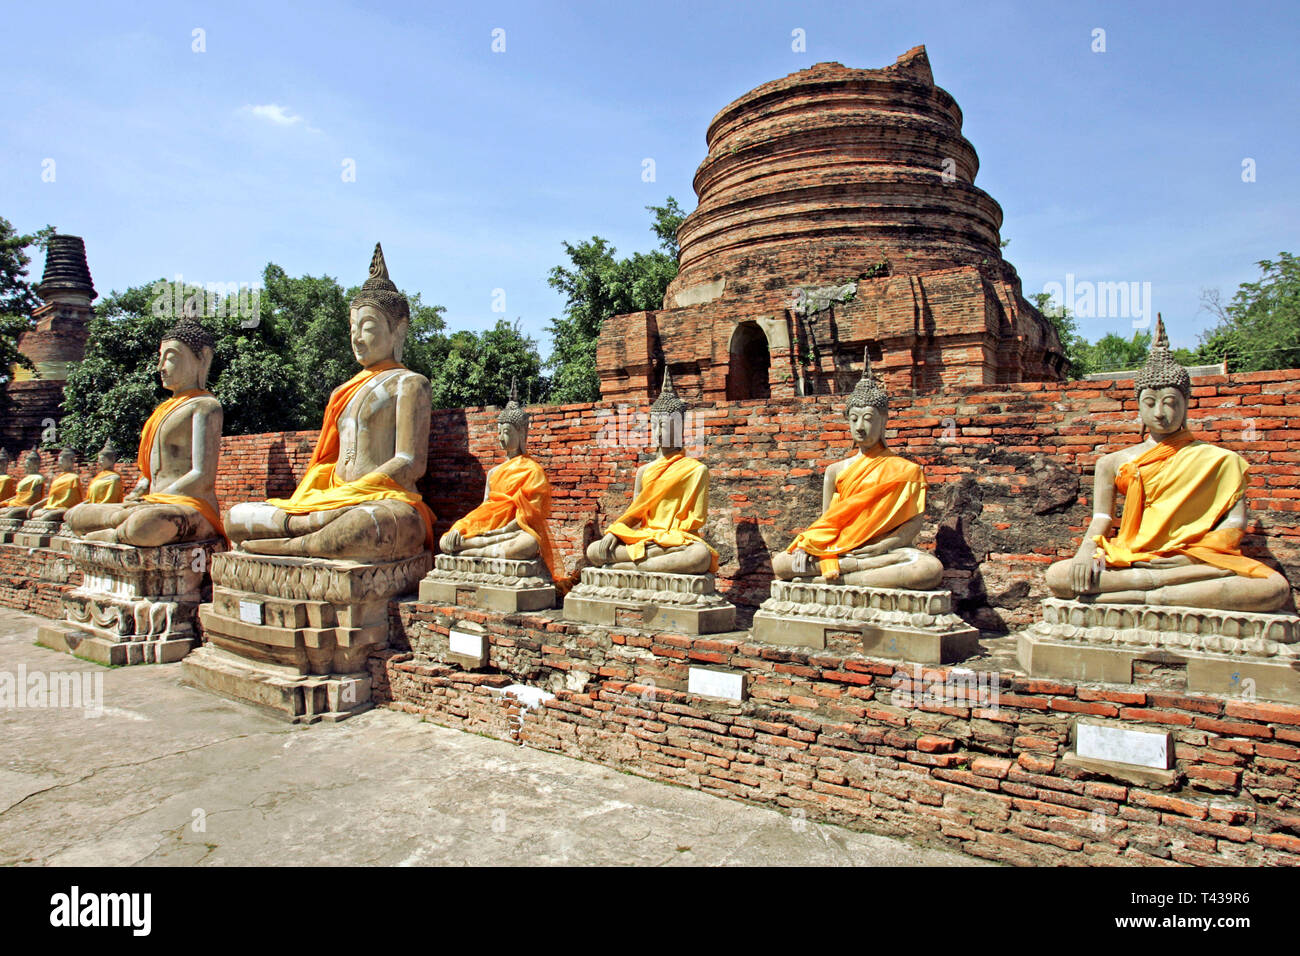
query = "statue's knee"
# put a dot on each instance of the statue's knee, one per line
(698, 558)
(928, 572)
(783, 566)
(1276, 591)
(1058, 576)
(595, 554)
(447, 544)
(523, 547)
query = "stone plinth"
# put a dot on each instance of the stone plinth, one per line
(38, 533)
(135, 605)
(494, 584)
(683, 603)
(8, 528)
(292, 634)
(892, 623)
(1238, 653)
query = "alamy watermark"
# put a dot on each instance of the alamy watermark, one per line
(242, 300)
(1104, 300)
(83, 690)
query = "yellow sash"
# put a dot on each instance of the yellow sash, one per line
(105, 489)
(65, 491)
(26, 493)
(145, 454)
(322, 490)
(518, 490)
(873, 495)
(669, 509)
(6, 488)
(1175, 494)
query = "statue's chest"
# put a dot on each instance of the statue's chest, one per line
(369, 416)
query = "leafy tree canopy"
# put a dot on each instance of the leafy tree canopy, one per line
(1260, 328)
(17, 296)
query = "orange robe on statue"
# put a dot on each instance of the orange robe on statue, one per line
(672, 505)
(105, 489)
(517, 491)
(6, 489)
(65, 491)
(1174, 495)
(873, 495)
(322, 490)
(25, 493)
(145, 453)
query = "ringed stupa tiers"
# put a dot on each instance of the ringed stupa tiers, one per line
(837, 212)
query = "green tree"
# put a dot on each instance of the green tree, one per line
(596, 284)
(1113, 353)
(1072, 343)
(477, 368)
(1260, 328)
(17, 296)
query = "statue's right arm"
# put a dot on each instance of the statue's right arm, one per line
(1084, 572)
(828, 484)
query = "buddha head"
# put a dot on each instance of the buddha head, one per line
(4, 461)
(868, 409)
(668, 417)
(512, 424)
(1163, 388)
(32, 463)
(108, 456)
(67, 461)
(379, 316)
(185, 356)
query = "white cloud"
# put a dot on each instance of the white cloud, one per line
(274, 113)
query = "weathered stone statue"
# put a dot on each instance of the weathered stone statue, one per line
(872, 508)
(854, 572)
(358, 499)
(1184, 514)
(670, 502)
(501, 555)
(106, 487)
(652, 568)
(1171, 587)
(6, 479)
(144, 561)
(29, 490)
(65, 491)
(303, 600)
(175, 499)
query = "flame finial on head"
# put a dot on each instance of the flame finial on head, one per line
(1160, 369)
(869, 393)
(380, 290)
(668, 402)
(514, 413)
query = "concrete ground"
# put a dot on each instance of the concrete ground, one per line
(170, 775)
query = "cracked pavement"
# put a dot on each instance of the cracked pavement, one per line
(170, 775)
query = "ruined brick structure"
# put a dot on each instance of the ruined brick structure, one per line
(827, 177)
(57, 340)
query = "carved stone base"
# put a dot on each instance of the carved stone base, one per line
(8, 528)
(309, 622)
(282, 692)
(684, 603)
(889, 622)
(1237, 653)
(495, 584)
(134, 605)
(37, 534)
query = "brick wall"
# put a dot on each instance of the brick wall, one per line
(35, 579)
(839, 737)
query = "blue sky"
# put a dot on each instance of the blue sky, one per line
(472, 166)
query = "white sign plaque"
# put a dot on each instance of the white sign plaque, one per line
(471, 645)
(1142, 748)
(711, 683)
(250, 612)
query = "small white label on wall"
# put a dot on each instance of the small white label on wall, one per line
(1142, 748)
(471, 645)
(250, 612)
(711, 683)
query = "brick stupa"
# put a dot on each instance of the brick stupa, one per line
(828, 177)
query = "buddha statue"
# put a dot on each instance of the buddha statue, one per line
(670, 502)
(357, 500)
(175, 499)
(6, 479)
(512, 522)
(65, 491)
(873, 504)
(106, 487)
(1184, 514)
(29, 490)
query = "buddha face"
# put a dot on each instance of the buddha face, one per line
(178, 367)
(866, 425)
(1162, 410)
(666, 430)
(67, 460)
(107, 459)
(510, 437)
(372, 335)
(32, 464)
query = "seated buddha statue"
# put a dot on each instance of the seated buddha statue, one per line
(670, 502)
(65, 490)
(6, 479)
(1184, 514)
(512, 522)
(29, 490)
(873, 504)
(357, 500)
(175, 499)
(106, 487)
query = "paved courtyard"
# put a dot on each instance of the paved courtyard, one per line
(169, 775)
